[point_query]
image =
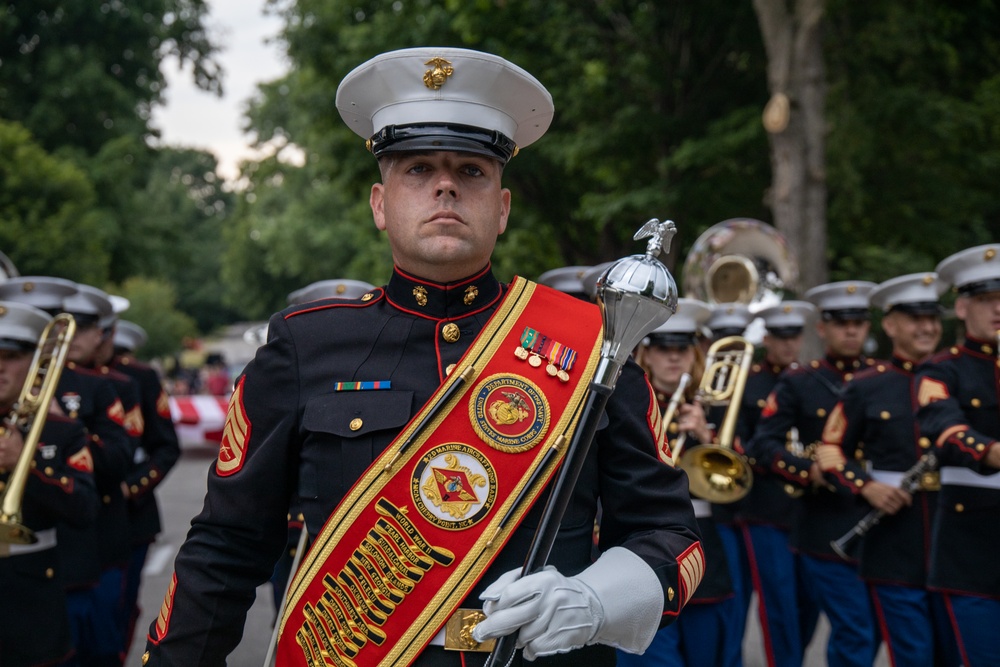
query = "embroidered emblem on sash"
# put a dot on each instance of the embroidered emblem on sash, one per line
(454, 486)
(509, 413)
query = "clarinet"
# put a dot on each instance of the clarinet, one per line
(910, 483)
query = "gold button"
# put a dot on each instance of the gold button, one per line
(49, 573)
(849, 475)
(814, 364)
(49, 471)
(134, 489)
(450, 332)
(924, 442)
(356, 423)
(959, 507)
(859, 483)
(848, 377)
(301, 517)
(791, 468)
(64, 480)
(670, 593)
(885, 414)
(804, 474)
(153, 474)
(107, 500)
(144, 481)
(450, 368)
(976, 402)
(980, 447)
(821, 413)
(145, 657)
(881, 368)
(761, 403)
(781, 464)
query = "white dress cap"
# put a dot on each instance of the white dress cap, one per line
(591, 277)
(729, 318)
(444, 98)
(43, 292)
(787, 315)
(21, 325)
(129, 336)
(568, 279)
(343, 288)
(90, 302)
(683, 326)
(845, 300)
(917, 293)
(973, 270)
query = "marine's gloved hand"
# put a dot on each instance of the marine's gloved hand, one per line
(616, 601)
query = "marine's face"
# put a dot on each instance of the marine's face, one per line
(83, 347)
(843, 338)
(981, 314)
(442, 212)
(783, 351)
(667, 364)
(914, 337)
(14, 366)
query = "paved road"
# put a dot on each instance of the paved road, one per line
(181, 496)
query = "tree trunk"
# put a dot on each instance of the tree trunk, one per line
(794, 119)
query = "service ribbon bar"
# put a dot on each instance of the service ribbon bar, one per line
(362, 386)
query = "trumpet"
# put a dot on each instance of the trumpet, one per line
(29, 414)
(911, 482)
(715, 471)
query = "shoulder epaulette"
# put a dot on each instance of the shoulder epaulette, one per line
(364, 301)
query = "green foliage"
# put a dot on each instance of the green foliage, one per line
(154, 307)
(48, 222)
(914, 151)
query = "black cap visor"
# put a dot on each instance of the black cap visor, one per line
(672, 339)
(426, 137)
(981, 287)
(785, 332)
(918, 308)
(16, 345)
(846, 315)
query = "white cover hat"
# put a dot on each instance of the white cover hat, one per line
(973, 270)
(916, 293)
(444, 98)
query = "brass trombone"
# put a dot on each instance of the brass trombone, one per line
(715, 471)
(28, 414)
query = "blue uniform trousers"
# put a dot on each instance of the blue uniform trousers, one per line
(94, 615)
(787, 615)
(696, 639)
(914, 626)
(974, 620)
(843, 597)
(739, 572)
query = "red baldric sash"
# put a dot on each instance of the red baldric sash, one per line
(417, 531)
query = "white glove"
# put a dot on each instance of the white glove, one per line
(616, 601)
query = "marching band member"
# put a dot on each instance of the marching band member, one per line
(732, 319)
(705, 631)
(802, 399)
(787, 616)
(86, 552)
(348, 407)
(34, 626)
(873, 432)
(959, 413)
(157, 453)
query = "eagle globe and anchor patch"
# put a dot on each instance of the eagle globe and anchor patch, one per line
(509, 413)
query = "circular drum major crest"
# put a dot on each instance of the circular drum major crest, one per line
(454, 486)
(509, 413)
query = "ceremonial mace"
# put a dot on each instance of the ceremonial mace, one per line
(636, 295)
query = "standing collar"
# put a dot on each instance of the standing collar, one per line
(438, 301)
(980, 347)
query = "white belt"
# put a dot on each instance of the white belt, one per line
(46, 540)
(702, 508)
(890, 477)
(956, 476)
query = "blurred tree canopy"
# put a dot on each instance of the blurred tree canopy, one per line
(658, 114)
